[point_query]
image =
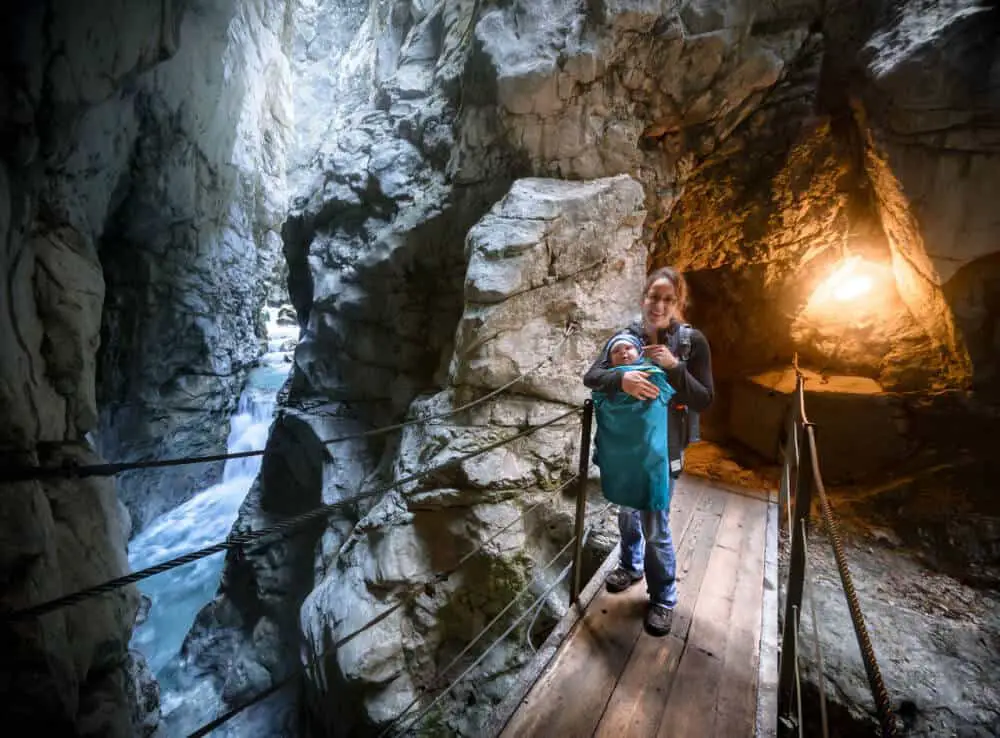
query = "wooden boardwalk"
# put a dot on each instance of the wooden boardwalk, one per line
(607, 678)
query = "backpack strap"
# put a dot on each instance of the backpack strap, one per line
(684, 341)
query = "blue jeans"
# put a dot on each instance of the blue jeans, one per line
(646, 535)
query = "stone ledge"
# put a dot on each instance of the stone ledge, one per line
(860, 430)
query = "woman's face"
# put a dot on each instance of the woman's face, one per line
(659, 304)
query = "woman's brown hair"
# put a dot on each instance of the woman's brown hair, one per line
(679, 284)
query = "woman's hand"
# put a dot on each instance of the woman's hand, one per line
(634, 383)
(660, 354)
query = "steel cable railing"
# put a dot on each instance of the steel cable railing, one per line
(254, 539)
(482, 632)
(818, 644)
(800, 478)
(14, 474)
(416, 588)
(532, 610)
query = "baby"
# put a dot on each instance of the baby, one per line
(630, 445)
(624, 349)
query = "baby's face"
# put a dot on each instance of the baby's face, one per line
(623, 353)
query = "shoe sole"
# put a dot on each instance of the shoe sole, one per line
(655, 632)
(615, 589)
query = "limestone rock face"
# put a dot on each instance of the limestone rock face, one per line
(191, 242)
(923, 625)
(549, 252)
(59, 537)
(929, 115)
(141, 176)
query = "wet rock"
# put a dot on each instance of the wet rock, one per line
(145, 696)
(932, 638)
(244, 680)
(143, 612)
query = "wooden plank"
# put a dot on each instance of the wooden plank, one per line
(767, 673)
(692, 705)
(569, 698)
(737, 702)
(527, 677)
(640, 696)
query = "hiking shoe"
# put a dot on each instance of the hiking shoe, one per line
(619, 580)
(659, 620)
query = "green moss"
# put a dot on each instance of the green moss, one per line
(491, 582)
(434, 726)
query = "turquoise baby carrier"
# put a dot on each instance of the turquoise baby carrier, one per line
(630, 446)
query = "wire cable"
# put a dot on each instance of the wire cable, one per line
(824, 722)
(74, 471)
(252, 540)
(520, 618)
(404, 599)
(485, 629)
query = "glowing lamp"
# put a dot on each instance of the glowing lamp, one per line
(853, 279)
(852, 287)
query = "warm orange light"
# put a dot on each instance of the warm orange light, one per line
(850, 287)
(852, 279)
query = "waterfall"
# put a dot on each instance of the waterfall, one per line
(176, 596)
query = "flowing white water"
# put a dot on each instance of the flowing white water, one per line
(206, 518)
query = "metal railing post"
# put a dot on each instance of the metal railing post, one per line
(797, 561)
(581, 502)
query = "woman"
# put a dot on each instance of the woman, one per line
(647, 547)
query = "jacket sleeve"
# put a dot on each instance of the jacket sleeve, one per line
(693, 378)
(600, 377)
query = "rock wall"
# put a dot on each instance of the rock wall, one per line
(933, 637)
(69, 672)
(929, 112)
(141, 176)
(548, 254)
(191, 241)
(375, 274)
(762, 139)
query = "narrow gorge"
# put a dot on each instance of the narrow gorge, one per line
(282, 225)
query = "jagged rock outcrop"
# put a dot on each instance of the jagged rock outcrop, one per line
(191, 240)
(141, 171)
(929, 112)
(549, 254)
(549, 251)
(247, 638)
(66, 673)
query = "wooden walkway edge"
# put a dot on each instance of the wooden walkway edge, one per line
(599, 675)
(767, 678)
(547, 651)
